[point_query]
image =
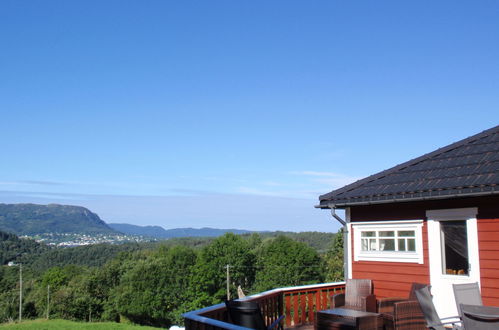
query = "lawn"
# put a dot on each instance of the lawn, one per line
(64, 325)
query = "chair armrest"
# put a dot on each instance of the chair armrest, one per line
(485, 317)
(432, 325)
(385, 305)
(337, 300)
(456, 325)
(369, 303)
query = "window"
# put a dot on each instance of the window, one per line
(454, 240)
(388, 240)
(396, 241)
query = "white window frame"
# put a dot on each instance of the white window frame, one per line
(389, 256)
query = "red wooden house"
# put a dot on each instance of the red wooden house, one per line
(433, 219)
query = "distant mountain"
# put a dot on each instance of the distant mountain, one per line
(160, 232)
(151, 231)
(33, 219)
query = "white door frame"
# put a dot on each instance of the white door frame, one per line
(443, 295)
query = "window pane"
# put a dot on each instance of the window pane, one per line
(401, 244)
(411, 245)
(368, 234)
(365, 245)
(406, 233)
(372, 245)
(387, 245)
(454, 237)
(386, 234)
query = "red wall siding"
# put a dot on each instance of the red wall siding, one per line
(488, 246)
(394, 279)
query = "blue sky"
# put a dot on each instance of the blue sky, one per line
(233, 113)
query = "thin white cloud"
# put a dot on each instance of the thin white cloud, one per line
(259, 192)
(31, 183)
(43, 183)
(336, 182)
(298, 194)
(318, 173)
(333, 179)
(272, 184)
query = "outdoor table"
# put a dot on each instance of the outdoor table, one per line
(342, 318)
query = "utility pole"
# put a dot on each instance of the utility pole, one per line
(20, 292)
(228, 282)
(48, 301)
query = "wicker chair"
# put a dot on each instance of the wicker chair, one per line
(403, 313)
(358, 296)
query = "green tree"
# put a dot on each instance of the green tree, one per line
(285, 262)
(9, 293)
(334, 259)
(155, 290)
(69, 294)
(254, 241)
(55, 277)
(210, 279)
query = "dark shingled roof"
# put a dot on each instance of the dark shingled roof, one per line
(469, 167)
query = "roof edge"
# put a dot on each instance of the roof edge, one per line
(356, 184)
(401, 200)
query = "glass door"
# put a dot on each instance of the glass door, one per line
(454, 241)
(453, 257)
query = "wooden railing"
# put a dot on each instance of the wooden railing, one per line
(298, 304)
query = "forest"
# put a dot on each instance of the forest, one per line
(153, 284)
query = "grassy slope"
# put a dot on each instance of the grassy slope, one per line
(64, 324)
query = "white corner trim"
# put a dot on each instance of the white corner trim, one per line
(452, 214)
(349, 244)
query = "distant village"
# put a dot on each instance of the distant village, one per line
(72, 239)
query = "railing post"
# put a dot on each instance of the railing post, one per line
(280, 304)
(310, 301)
(287, 306)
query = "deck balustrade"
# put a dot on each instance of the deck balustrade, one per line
(297, 303)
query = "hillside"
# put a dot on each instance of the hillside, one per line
(13, 248)
(90, 255)
(317, 240)
(160, 232)
(32, 219)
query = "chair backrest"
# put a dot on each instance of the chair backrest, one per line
(480, 317)
(355, 289)
(467, 293)
(246, 314)
(426, 303)
(414, 287)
